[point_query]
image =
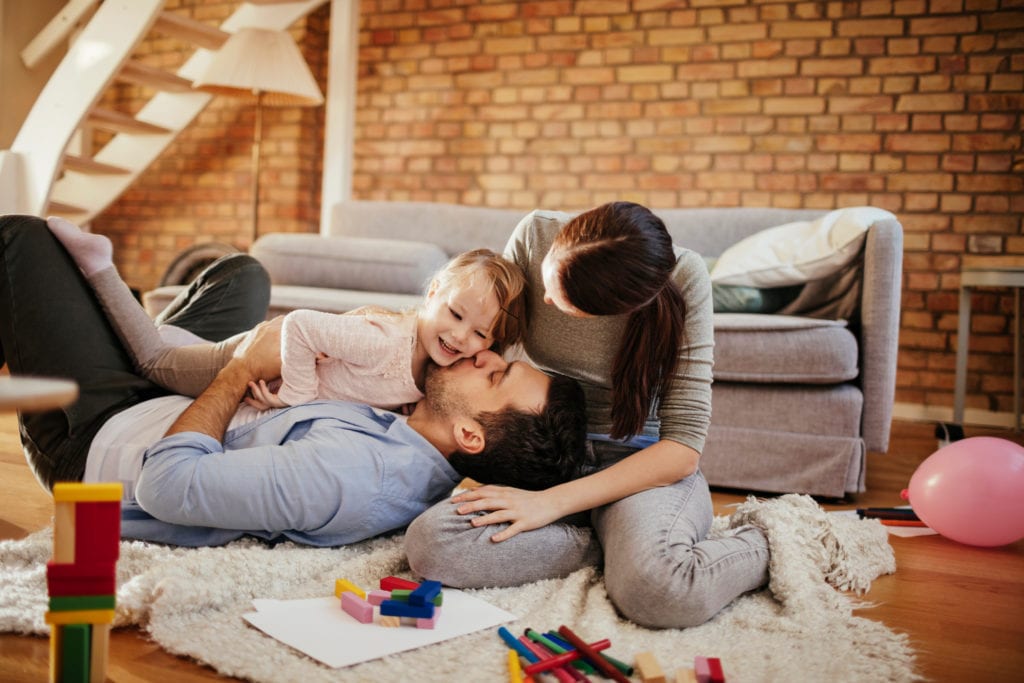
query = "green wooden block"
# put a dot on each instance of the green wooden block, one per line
(75, 654)
(74, 603)
(402, 595)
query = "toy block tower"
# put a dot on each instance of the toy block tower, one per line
(81, 579)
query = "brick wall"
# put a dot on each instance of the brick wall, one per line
(910, 105)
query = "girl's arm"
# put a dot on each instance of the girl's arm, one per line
(660, 464)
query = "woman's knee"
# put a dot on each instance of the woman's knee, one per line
(656, 596)
(434, 542)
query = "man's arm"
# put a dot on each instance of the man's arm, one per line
(258, 357)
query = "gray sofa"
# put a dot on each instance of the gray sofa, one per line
(798, 397)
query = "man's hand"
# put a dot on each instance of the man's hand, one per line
(523, 510)
(260, 351)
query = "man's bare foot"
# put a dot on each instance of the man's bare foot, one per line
(91, 252)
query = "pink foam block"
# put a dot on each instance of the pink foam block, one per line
(375, 597)
(357, 608)
(431, 622)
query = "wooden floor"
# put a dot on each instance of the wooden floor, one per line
(963, 607)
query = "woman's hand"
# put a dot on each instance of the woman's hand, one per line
(523, 510)
(263, 397)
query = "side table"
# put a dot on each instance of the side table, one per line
(986, 277)
(24, 393)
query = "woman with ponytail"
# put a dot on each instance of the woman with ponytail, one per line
(614, 304)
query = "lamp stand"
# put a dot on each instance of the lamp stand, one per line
(257, 140)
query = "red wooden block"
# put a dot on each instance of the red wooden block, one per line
(81, 579)
(716, 675)
(390, 583)
(97, 532)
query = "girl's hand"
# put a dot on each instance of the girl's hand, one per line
(262, 397)
(524, 510)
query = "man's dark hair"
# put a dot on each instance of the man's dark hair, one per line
(532, 450)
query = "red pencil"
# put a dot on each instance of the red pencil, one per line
(902, 522)
(591, 655)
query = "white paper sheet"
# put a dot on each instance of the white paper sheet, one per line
(319, 627)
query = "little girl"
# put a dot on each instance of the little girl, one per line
(370, 355)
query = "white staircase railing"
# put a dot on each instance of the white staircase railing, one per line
(39, 175)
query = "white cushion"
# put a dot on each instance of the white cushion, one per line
(797, 252)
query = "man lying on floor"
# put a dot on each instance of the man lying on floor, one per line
(208, 471)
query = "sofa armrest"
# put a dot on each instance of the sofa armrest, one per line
(880, 324)
(358, 263)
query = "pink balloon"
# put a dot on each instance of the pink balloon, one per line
(972, 491)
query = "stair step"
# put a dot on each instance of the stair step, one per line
(118, 122)
(158, 79)
(91, 166)
(62, 209)
(190, 30)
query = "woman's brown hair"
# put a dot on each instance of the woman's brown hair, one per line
(615, 259)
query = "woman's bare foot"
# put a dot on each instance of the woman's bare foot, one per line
(91, 252)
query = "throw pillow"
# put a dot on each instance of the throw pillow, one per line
(741, 299)
(796, 253)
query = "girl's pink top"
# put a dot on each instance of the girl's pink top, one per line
(369, 357)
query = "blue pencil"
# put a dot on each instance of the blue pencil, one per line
(514, 643)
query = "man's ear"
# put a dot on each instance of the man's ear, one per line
(469, 435)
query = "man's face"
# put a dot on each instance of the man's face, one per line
(486, 383)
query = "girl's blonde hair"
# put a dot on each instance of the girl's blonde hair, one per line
(509, 286)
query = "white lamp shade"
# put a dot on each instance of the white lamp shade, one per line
(258, 62)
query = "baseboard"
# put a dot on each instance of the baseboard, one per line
(972, 416)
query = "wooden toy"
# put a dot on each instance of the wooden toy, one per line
(716, 675)
(431, 622)
(702, 669)
(390, 622)
(394, 608)
(377, 596)
(81, 579)
(389, 583)
(344, 585)
(685, 675)
(650, 669)
(403, 595)
(425, 593)
(356, 607)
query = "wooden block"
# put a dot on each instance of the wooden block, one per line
(390, 583)
(377, 596)
(75, 492)
(71, 603)
(81, 579)
(56, 640)
(702, 669)
(390, 622)
(99, 653)
(64, 532)
(356, 607)
(715, 670)
(97, 531)
(75, 654)
(88, 616)
(343, 585)
(402, 595)
(649, 669)
(425, 593)
(685, 675)
(394, 608)
(431, 622)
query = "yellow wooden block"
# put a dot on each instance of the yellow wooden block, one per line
(82, 616)
(685, 675)
(55, 643)
(100, 655)
(64, 533)
(389, 621)
(343, 585)
(649, 669)
(74, 492)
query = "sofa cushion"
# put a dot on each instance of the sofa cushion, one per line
(797, 252)
(362, 263)
(770, 349)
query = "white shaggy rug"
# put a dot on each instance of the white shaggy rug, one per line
(801, 628)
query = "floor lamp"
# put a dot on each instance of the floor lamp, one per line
(267, 68)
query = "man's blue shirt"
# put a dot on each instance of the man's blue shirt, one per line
(324, 473)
